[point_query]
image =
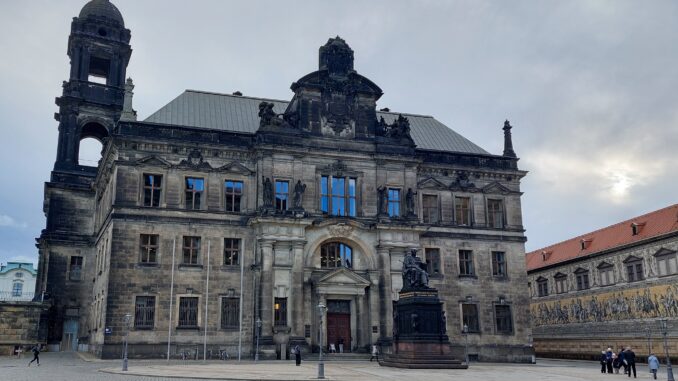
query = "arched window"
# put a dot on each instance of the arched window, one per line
(89, 152)
(336, 254)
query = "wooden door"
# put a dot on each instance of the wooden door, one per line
(339, 327)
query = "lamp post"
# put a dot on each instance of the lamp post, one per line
(669, 370)
(649, 342)
(256, 354)
(126, 320)
(465, 330)
(321, 364)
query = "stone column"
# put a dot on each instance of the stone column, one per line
(297, 290)
(360, 320)
(266, 288)
(322, 298)
(386, 305)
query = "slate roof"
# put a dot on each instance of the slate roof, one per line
(215, 111)
(650, 225)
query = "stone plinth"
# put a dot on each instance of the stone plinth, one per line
(420, 341)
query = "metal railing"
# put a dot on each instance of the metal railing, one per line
(16, 297)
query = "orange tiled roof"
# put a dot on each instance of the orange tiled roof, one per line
(649, 225)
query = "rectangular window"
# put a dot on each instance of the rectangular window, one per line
(495, 214)
(432, 261)
(430, 209)
(634, 270)
(280, 312)
(194, 190)
(230, 313)
(152, 190)
(393, 202)
(191, 250)
(17, 289)
(583, 280)
(188, 312)
(282, 194)
(338, 196)
(231, 251)
(606, 275)
(542, 287)
(144, 312)
(561, 284)
(667, 265)
(466, 263)
(503, 318)
(462, 210)
(149, 248)
(469, 316)
(75, 269)
(232, 195)
(499, 264)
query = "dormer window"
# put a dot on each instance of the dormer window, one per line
(636, 227)
(586, 243)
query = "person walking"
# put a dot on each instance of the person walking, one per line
(630, 357)
(616, 363)
(603, 361)
(36, 354)
(622, 359)
(608, 360)
(653, 364)
(375, 353)
(297, 354)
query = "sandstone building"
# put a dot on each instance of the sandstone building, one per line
(607, 288)
(221, 210)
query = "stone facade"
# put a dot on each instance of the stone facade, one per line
(20, 326)
(319, 202)
(610, 296)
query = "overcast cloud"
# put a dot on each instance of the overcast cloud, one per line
(589, 86)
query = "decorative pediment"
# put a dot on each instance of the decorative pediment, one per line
(632, 258)
(343, 277)
(497, 188)
(195, 160)
(431, 183)
(560, 275)
(580, 271)
(663, 251)
(604, 265)
(338, 169)
(153, 161)
(236, 167)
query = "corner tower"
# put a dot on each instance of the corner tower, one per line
(92, 98)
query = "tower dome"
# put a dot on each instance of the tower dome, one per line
(102, 9)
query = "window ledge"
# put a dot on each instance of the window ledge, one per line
(500, 278)
(148, 264)
(230, 267)
(143, 328)
(188, 328)
(186, 266)
(468, 276)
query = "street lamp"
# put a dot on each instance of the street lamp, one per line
(649, 341)
(321, 365)
(126, 320)
(465, 330)
(256, 354)
(669, 370)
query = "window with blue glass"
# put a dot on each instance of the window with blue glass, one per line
(282, 194)
(393, 202)
(336, 254)
(194, 189)
(338, 195)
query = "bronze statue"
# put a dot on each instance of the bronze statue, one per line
(299, 190)
(382, 201)
(268, 192)
(409, 202)
(415, 275)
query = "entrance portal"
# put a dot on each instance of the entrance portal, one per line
(339, 325)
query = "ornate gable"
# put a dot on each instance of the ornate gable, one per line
(153, 161)
(431, 183)
(663, 251)
(236, 167)
(342, 281)
(497, 188)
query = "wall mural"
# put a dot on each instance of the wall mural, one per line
(657, 301)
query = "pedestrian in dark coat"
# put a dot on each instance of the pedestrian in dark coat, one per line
(630, 357)
(622, 359)
(297, 354)
(36, 354)
(603, 361)
(608, 360)
(616, 363)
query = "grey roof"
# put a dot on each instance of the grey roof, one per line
(215, 111)
(102, 8)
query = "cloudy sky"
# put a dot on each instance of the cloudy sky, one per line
(591, 87)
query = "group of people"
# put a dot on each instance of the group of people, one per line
(611, 362)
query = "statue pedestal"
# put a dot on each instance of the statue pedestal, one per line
(420, 341)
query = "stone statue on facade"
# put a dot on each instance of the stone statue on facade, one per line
(268, 192)
(409, 202)
(299, 190)
(382, 201)
(415, 275)
(268, 116)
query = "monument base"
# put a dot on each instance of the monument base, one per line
(420, 340)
